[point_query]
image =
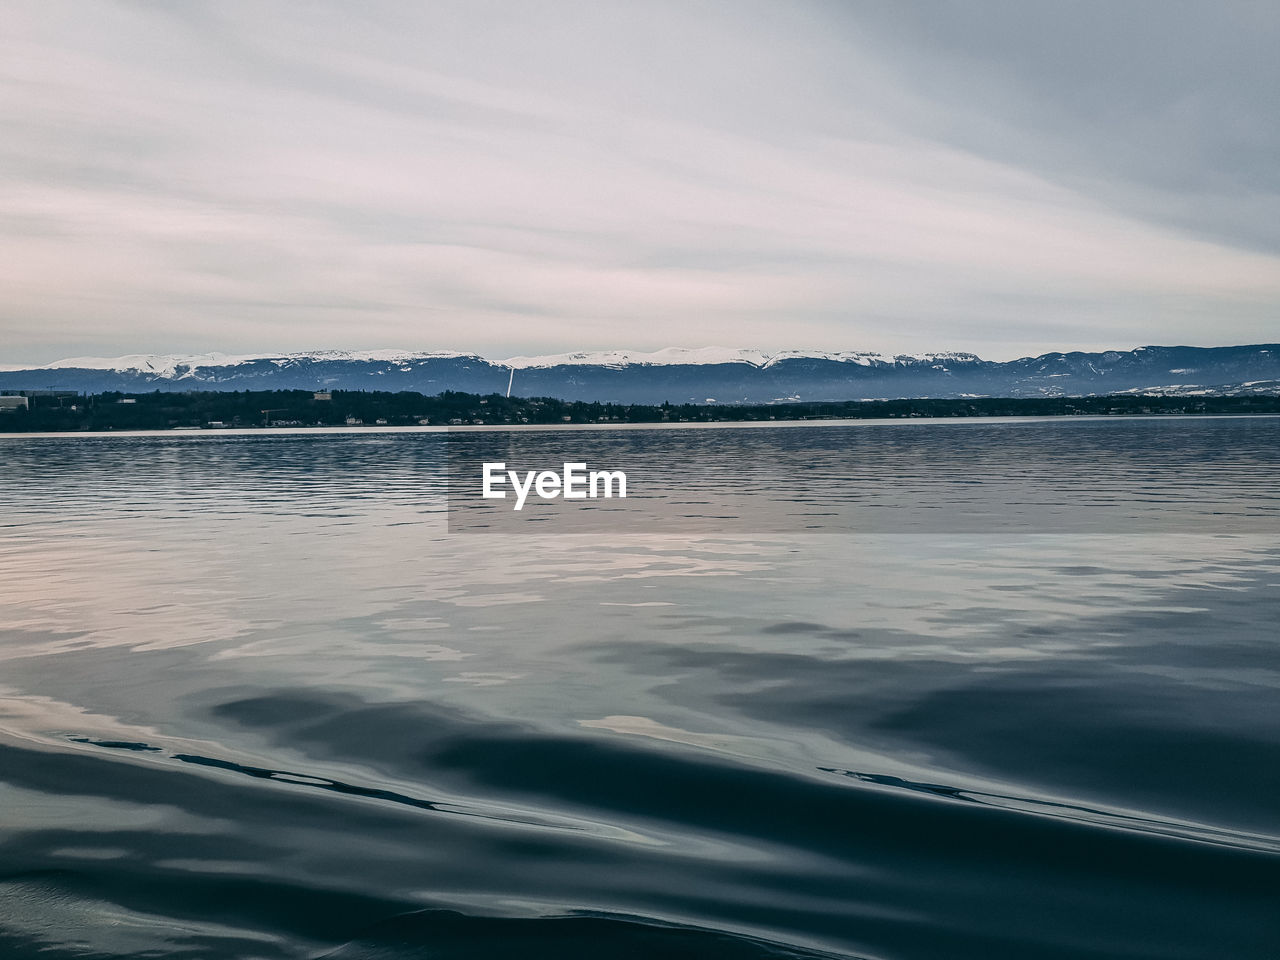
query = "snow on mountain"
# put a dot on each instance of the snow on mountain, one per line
(954, 356)
(376, 356)
(713, 355)
(168, 366)
(176, 365)
(623, 358)
(157, 365)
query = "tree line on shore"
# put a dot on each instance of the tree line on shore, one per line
(300, 408)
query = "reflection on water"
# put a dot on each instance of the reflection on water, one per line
(256, 700)
(1051, 475)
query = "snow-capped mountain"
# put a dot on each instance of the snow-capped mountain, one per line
(683, 375)
(183, 365)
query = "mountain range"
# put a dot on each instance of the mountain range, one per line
(680, 376)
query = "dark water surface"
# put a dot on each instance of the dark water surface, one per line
(256, 700)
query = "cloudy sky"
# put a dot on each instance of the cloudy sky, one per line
(533, 177)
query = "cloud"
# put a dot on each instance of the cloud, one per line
(529, 178)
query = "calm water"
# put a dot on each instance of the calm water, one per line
(256, 700)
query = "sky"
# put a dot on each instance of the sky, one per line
(533, 177)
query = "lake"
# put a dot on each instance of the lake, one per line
(879, 690)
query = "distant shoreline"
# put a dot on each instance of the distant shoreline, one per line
(54, 413)
(201, 434)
